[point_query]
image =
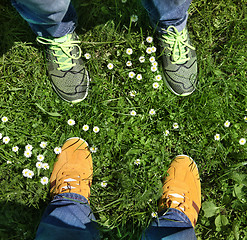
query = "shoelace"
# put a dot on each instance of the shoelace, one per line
(178, 43)
(69, 186)
(62, 51)
(172, 200)
(70, 180)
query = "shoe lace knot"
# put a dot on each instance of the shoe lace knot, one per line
(178, 44)
(61, 50)
(177, 198)
(71, 181)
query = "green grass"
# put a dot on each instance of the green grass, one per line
(123, 208)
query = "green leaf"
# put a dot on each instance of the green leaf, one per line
(53, 114)
(209, 209)
(240, 178)
(235, 228)
(220, 221)
(239, 193)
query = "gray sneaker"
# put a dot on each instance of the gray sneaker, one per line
(179, 61)
(67, 71)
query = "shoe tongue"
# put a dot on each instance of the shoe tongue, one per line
(61, 39)
(61, 56)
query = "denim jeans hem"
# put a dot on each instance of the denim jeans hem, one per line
(70, 196)
(162, 27)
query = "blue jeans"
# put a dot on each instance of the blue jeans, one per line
(57, 18)
(69, 217)
(165, 13)
(47, 18)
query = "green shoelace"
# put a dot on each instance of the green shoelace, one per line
(178, 43)
(61, 49)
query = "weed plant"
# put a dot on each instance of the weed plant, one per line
(142, 125)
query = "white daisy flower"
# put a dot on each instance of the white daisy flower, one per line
(87, 55)
(96, 129)
(227, 123)
(152, 59)
(149, 39)
(154, 214)
(245, 118)
(110, 66)
(158, 77)
(6, 140)
(132, 93)
(175, 125)
(25, 172)
(30, 174)
(9, 162)
(71, 122)
(43, 144)
(149, 50)
(242, 141)
(134, 18)
(28, 153)
(166, 132)
(153, 48)
(103, 184)
(85, 127)
(4, 119)
(40, 157)
(44, 180)
(217, 137)
(129, 51)
(39, 165)
(131, 74)
(154, 64)
(152, 112)
(29, 147)
(45, 166)
(15, 149)
(132, 113)
(129, 64)
(155, 85)
(57, 150)
(137, 162)
(153, 68)
(139, 76)
(142, 59)
(1, 135)
(93, 149)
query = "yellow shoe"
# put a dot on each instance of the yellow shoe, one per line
(182, 188)
(73, 171)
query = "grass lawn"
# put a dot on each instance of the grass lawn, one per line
(123, 208)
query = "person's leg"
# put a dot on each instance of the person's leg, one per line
(48, 18)
(69, 215)
(54, 22)
(169, 18)
(165, 13)
(173, 225)
(180, 203)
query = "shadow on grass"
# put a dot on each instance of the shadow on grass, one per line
(18, 221)
(13, 28)
(90, 14)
